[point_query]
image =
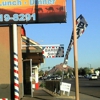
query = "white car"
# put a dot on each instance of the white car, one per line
(58, 78)
(93, 77)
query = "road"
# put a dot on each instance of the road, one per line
(86, 86)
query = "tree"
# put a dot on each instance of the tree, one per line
(46, 72)
(81, 71)
(41, 73)
(84, 71)
(87, 70)
(69, 72)
(59, 72)
(98, 69)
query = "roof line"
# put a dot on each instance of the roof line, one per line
(33, 42)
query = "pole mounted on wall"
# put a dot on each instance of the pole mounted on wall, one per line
(16, 72)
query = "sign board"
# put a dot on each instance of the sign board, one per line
(32, 11)
(53, 51)
(81, 25)
(65, 87)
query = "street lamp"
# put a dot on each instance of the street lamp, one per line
(89, 64)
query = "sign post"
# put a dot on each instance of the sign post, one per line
(75, 50)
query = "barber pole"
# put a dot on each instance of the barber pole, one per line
(4, 99)
(16, 74)
(16, 77)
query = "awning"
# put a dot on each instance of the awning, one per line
(31, 50)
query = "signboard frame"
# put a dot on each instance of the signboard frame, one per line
(32, 11)
(53, 51)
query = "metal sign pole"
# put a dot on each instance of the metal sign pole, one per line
(16, 74)
(75, 50)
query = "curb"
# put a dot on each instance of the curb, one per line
(57, 95)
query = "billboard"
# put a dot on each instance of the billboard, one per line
(32, 11)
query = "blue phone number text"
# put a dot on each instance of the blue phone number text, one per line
(17, 17)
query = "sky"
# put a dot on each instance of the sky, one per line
(56, 33)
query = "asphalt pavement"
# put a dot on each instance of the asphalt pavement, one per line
(86, 86)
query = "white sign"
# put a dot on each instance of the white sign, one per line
(65, 86)
(53, 51)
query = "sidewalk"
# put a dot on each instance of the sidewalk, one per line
(44, 94)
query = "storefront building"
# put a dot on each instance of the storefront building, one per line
(28, 57)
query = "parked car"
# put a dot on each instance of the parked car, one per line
(93, 77)
(86, 76)
(49, 78)
(58, 78)
(80, 76)
(53, 77)
(40, 78)
(45, 77)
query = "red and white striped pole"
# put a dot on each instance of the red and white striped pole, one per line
(4, 99)
(16, 74)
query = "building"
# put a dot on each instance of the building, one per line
(28, 57)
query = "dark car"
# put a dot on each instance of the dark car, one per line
(51, 78)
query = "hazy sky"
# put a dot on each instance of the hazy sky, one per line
(88, 43)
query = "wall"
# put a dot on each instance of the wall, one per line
(6, 62)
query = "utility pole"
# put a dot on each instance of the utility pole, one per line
(75, 50)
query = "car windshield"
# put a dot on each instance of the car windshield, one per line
(93, 75)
